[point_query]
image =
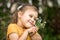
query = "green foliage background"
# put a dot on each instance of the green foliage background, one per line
(48, 31)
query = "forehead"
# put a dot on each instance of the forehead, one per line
(31, 12)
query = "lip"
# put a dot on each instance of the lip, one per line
(31, 23)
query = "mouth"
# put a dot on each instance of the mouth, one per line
(31, 23)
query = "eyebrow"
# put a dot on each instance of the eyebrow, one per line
(34, 16)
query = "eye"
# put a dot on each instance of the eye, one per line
(31, 16)
(35, 19)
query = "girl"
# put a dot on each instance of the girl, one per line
(23, 23)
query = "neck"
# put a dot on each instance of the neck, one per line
(19, 23)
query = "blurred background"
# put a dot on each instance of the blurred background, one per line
(48, 22)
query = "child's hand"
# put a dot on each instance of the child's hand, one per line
(32, 30)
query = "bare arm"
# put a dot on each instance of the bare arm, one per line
(15, 36)
(24, 36)
(36, 37)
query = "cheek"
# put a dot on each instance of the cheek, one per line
(25, 19)
(34, 21)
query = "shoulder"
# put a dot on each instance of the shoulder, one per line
(12, 31)
(11, 28)
(12, 25)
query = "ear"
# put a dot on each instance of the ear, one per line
(19, 14)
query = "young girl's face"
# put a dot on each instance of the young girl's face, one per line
(28, 18)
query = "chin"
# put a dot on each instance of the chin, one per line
(29, 26)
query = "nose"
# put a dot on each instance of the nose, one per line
(32, 20)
